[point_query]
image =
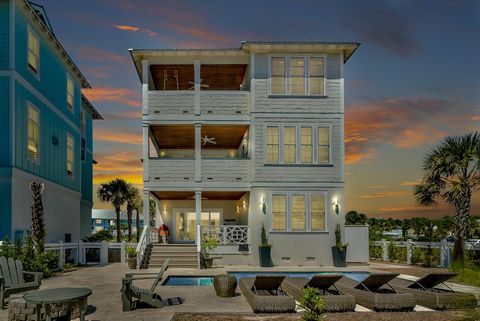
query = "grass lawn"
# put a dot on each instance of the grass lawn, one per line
(467, 276)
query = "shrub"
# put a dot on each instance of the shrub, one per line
(313, 304)
(131, 251)
(104, 235)
(375, 251)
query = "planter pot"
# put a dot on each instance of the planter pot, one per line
(264, 255)
(339, 257)
(132, 263)
(208, 262)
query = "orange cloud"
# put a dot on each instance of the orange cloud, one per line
(126, 165)
(377, 186)
(385, 194)
(410, 183)
(123, 137)
(122, 95)
(135, 179)
(475, 118)
(404, 209)
(136, 29)
(197, 32)
(103, 56)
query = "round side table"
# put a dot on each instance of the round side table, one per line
(225, 285)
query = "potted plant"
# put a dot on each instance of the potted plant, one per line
(264, 250)
(339, 251)
(131, 257)
(208, 244)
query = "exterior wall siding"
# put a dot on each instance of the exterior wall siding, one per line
(229, 170)
(5, 131)
(170, 102)
(4, 34)
(5, 202)
(172, 170)
(225, 102)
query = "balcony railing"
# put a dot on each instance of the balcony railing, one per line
(227, 234)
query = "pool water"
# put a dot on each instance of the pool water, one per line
(180, 280)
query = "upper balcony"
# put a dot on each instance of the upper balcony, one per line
(219, 90)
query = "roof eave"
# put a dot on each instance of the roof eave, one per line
(95, 114)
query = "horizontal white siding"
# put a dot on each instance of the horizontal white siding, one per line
(172, 170)
(170, 102)
(226, 170)
(225, 102)
(331, 103)
(297, 173)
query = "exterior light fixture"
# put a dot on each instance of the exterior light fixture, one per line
(264, 206)
(337, 207)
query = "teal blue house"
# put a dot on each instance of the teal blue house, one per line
(45, 127)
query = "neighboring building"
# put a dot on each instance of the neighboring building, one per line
(104, 219)
(234, 139)
(394, 234)
(45, 127)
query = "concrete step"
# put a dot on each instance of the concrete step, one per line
(174, 260)
(174, 266)
(171, 255)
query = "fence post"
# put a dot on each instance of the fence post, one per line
(444, 254)
(61, 256)
(104, 253)
(409, 251)
(384, 250)
(122, 252)
(77, 254)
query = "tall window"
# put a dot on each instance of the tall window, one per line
(317, 212)
(272, 145)
(70, 92)
(33, 51)
(298, 212)
(289, 145)
(33, 133)
(278, 75)
(83, 123)
(70, 155)
(279, 212)
(316, 80)
(297, 75)
(306, 147)
(323, 145)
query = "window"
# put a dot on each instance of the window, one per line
(298, 212)
(33, 132)
(82, 149)
(70, 92)
(33, 51)
(272, 145)
(323, 145)
(297, 75)
(278, 76)
(70, 155)
(83, 123)
(316, 79)
(289, 145)
(297, 216)
(318, 212)
(279, 212)
(97, 221)
(306, 146)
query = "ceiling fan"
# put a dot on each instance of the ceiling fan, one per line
(206, 140)
(201, 85)
(193, 197)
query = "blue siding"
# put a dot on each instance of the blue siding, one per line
(87, 170)
(4, 34)
(5, 202)
(5, 138)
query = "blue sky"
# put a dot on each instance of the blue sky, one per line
(414, 79)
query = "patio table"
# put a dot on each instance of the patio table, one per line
(66, 296)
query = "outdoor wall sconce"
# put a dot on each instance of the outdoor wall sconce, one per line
(238, 209)
(264, 206)
(165, 210)
(337, 207)
(54, 140)
(244, 203)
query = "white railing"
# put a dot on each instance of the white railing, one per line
(227, 234)
(149, 235)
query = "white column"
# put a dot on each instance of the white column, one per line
(197, 81)
(146, 208)
(198, 152)
(146, 163)
(198, 213)
(145, 73)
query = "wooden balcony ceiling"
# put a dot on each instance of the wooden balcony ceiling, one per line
(214, 77)
(183, 136)
(206, 196)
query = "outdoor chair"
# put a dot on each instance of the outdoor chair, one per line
(335, 301)
(12, 279)
(427, 292)
(264, 293)
(375, 293)
(133, 295)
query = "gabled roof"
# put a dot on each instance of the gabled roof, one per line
(86, 103)
(39, 15)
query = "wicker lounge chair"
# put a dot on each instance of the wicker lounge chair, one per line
(265, 295)
(377, 294)
(335, 301)
(12, 279)
(428, 293)
(131, 295)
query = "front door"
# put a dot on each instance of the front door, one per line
(185, 225)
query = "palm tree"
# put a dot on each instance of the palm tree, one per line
(452, 173)
(115, 192)
(133, 198)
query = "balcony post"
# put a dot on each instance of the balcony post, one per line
(197, 81)
(198, 152)
(145, 74)
(198, 214)
(146, 208)
(146, 147)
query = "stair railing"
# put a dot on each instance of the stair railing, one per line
(148, 236)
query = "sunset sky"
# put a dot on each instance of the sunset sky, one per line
(414, 79)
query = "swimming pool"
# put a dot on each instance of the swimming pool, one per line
(182, 280)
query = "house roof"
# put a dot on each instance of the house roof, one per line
(88, 105)
(39, 15)
(247, 47)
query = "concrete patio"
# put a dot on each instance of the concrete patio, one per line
(105, 282)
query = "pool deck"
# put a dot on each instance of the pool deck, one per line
(105, 282)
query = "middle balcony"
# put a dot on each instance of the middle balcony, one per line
(213, 155)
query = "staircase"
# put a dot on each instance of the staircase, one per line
(181, 255)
